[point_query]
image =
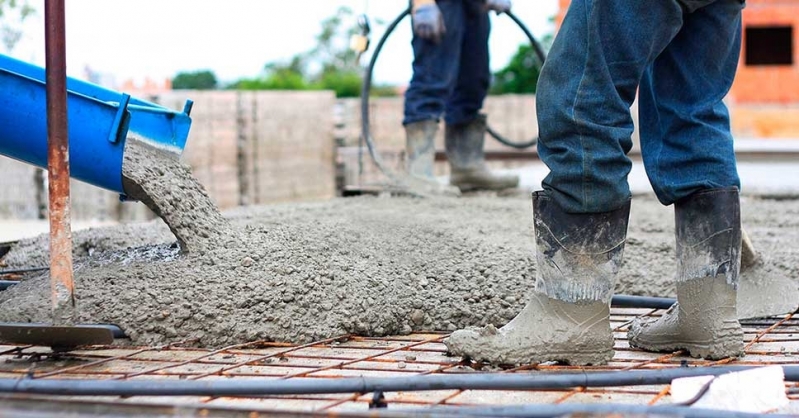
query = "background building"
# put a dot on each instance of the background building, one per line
(764, 100)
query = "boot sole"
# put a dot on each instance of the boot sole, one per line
(719, 348)
(571, 358)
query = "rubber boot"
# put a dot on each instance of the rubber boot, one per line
(464, 144)
(704, 320)
(568, 316)
(421, 153)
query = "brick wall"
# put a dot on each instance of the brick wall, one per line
(769, 84)
(763, 101)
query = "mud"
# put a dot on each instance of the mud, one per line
(373, 266)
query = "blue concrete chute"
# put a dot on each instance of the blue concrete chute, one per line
(100, 122)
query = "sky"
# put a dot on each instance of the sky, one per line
(138, 39)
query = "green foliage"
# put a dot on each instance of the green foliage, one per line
(195, 80)
(344, 83)
(13, 14)
(521, 74)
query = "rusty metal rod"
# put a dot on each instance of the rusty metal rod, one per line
(62, 286)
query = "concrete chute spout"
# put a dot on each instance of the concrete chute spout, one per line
(100, 123)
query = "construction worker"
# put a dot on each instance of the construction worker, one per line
(451, 78)
(681, 57)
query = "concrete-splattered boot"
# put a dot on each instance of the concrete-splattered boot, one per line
(464, 144)
(704, 320)
(568, 316)
(421, 153)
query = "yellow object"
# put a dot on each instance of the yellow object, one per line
(419, 3)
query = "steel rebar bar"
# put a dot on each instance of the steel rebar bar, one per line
(62, 286)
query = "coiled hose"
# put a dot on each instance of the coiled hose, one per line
(366, 135)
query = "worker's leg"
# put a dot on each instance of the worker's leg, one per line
(685, 126)
(585, 91)
(435, 71)
(586, 88)
(688, 152)
(435, 67)
(465, 127)
(474, 74)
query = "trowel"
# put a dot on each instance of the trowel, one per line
(763, 291)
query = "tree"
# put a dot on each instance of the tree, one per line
(520, 76)
(330, 65)
(13, 14)
(194, 80)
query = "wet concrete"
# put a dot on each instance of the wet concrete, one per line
(372, 266)
(168, 188)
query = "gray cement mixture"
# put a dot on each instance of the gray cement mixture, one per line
(369, 266)
(169, 189)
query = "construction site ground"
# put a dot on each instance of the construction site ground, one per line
(346, 288)
(772, 341)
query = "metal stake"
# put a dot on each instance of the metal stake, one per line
(62, 286)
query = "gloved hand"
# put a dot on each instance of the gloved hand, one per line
(499, 6)
(428, 23)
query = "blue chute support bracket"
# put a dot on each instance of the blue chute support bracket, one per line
(100, 122)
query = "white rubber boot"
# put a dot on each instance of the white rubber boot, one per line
(568, 316)
(468, 171)
(421, 153)
(704, 321)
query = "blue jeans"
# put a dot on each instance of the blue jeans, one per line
(683, 57)
(453, 75)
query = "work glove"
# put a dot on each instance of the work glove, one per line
(499, 6)
(428, 23)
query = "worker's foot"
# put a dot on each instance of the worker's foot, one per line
(426, 187)
(546, 330)
(481, 179)
(567, 317)
(464, 143)
(420, 153)
(704, 321)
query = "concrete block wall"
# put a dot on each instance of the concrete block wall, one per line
(260, 147)
(17, 190)
(244, 147)
(512, 116)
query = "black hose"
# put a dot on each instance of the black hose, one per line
(549, 410)
(366, 89)
(541, 55)
(5, 284)
(115, 330)
(474, 381)
(625, 301)
(22, 271)
(366, 135)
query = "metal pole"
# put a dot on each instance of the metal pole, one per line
(62, 286)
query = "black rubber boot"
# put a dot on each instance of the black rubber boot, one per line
(704, 320)
(464, 144)
(568, 316)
